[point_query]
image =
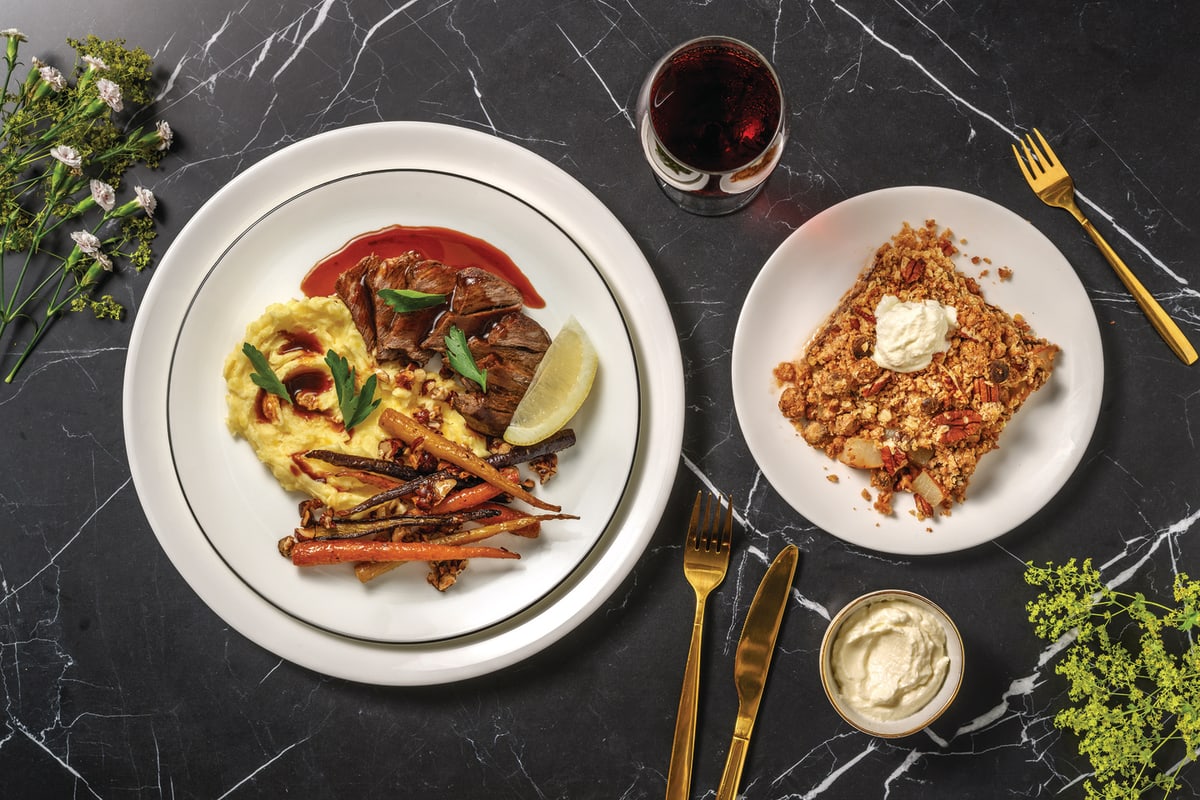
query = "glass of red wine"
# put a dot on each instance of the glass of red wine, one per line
(713, 123)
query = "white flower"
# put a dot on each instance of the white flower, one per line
(87, 242)
(103, 194)
(13, 33)
(110, 93)
(95, 63)
(165, 134)
(67, 155)
(53, 77)
(145, 199)
(103, 261)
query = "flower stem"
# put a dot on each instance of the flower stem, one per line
(51, 314)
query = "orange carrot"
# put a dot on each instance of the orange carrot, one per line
(321, 552)
(473, 495)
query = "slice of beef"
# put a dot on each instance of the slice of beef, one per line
(352, 289)
(388, 273)
(479, 297)
(516, 338)
(510, 350)
(490, 412)
(400, 335)
(479, 290)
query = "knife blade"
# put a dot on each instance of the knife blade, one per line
(753, 659)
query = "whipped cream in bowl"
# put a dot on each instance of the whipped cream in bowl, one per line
(891, 662)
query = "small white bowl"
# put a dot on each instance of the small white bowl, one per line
(919, 719)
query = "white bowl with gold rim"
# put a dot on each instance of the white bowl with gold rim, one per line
(939, 697)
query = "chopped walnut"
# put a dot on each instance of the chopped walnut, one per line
(545, 467)
(443, 574)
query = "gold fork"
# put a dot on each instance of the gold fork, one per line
(705, 559)
(1050, 181)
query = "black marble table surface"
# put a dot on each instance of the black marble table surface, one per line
(117, 681)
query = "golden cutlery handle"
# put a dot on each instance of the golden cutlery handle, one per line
(731, 778)
(679, 776)
(1162, 323)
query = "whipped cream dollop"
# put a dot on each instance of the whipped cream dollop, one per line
(890, 659)
(907, 333)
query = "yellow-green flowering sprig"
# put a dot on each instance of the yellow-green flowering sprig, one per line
(1133, 672)
(64, 149)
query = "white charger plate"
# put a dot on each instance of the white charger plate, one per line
(216, 511)
(800, 285)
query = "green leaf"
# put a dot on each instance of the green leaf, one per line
(1191, 618)
(264, 377)
(405, 300)
(355, 406)
(461, 360)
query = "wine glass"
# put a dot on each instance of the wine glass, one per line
(713, 123)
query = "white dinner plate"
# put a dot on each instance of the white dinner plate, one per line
(218, 513)
(799, 287)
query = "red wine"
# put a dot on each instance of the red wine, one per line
(715, 109)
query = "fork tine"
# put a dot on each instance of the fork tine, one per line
(693, 531)
(712, 515)
(1042, 162)
(1021, 163)
(1036, 165)
(1050, 158)
(727, 534)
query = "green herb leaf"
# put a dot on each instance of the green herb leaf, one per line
(355, 406)
(405, 300)
(461, 360)
(264, 377)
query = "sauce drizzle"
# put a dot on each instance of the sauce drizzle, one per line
(299, 341)
(451, 247)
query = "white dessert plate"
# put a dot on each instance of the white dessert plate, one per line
(800, 285)
(216, 510)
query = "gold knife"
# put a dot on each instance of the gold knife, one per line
(754, 658)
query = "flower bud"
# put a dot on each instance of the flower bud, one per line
(15, 37)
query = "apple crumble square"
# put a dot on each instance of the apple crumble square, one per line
(957, 369)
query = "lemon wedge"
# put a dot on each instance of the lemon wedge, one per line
(558, 388)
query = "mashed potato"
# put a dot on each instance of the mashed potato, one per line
(295, 336)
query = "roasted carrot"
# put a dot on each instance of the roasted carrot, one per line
(473, 495)
(369, 478)
(414, 433)
(501, 512)
(372, 526)
(321, 552)
(516, 523)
